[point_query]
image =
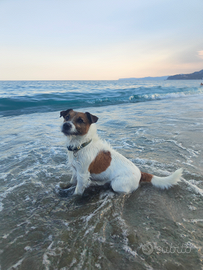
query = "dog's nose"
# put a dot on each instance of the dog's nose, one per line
(67, 126)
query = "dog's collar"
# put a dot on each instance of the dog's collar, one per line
(76, 149)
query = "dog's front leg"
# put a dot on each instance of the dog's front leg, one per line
(82, 183)
(73, 180)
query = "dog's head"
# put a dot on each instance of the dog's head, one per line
(77, 123)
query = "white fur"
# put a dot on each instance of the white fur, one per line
(123, 175)
(166, 182)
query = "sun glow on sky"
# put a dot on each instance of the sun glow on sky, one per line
(99, 40)
(200, 54)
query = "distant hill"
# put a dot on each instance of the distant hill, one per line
(198, 75)
(147, 78)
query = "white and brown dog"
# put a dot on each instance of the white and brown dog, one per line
(93, 160)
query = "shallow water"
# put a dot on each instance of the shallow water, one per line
(42, 228)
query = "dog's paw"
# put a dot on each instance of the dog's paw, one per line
(65, 185)
(64, 191)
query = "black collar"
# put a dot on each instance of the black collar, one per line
(76, 149)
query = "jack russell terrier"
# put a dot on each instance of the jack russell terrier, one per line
(93, 160)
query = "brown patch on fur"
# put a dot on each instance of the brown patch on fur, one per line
(146, 177)
(81, 122)
(100, 163)
(64, 113)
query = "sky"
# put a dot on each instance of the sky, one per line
(99, 39)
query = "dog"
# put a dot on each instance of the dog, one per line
(92, 160)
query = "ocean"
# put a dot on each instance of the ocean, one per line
(158, 125)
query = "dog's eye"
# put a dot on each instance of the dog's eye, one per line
(67, 117)
(80, 120)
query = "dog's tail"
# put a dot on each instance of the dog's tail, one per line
(162, 182)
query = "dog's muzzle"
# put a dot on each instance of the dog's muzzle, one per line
(66, 128)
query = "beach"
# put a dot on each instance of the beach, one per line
(157, 125)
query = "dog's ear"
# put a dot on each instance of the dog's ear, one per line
(64, 113)
(92, 118)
